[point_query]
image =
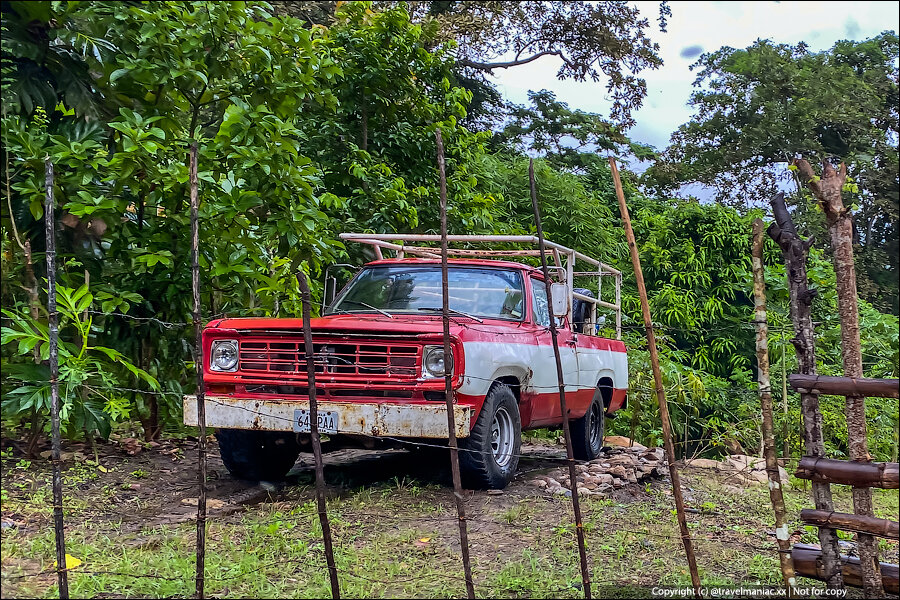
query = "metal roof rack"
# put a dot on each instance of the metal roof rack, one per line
(563, 257)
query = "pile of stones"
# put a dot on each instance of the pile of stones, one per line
(739, 468)
(616, 468)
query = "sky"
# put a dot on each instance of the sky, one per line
(697, 27)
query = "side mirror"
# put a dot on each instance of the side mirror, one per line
(334, 289)
(559, 299)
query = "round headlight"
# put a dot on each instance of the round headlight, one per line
(434, 361)
(224, 355)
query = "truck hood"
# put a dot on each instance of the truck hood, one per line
(368, 323)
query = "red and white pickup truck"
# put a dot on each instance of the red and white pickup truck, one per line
(380, 361)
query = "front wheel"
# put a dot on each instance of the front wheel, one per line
(489, 456)
(588, 431)
(258, 455)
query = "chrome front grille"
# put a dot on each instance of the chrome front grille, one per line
(385, 361)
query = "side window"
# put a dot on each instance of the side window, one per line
(539, 303)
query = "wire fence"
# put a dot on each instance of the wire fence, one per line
(326, 560)
(352, 513)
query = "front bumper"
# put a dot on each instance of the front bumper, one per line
(360, 418)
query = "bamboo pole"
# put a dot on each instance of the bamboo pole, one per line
(200, 578)
(448, 376)
(657, 377)
(765, 400)
(314, 434)
(570, 455)
(795, 250)
(53, 319)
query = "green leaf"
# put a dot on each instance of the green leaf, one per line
(118, 73)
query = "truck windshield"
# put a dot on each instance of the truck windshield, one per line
(483, 292)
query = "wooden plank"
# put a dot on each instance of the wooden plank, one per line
(846, 386)
(808, 560)
(848, 472)
(849, 522)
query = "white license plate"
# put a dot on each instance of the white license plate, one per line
(328, 421)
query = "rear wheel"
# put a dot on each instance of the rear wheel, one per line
(489, 456)
(589, 430)
(258, 455)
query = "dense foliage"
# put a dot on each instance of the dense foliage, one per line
(306, 130)
(760, 107)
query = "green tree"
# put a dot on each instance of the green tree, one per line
(375, 146)
(569, 139)
(760, 107)
(225, 74)
(593, 40)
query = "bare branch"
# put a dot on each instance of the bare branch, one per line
(505, 65)
(808, 176)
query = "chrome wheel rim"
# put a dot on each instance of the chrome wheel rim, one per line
(596, 425)
(502, 437)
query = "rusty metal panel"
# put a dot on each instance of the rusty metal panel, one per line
(366, 418)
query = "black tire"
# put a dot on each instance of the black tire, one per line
(258, 455)
(486, 460)
(589, 430)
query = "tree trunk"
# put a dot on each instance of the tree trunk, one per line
(34, 300)
(364, 123)
(795, 250)
(827, 191)
(151, 427)
(785, 433)
(765, 400)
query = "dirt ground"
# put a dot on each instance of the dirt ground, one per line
(130, 519)
(159, 483)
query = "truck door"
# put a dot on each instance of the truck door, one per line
(544, 382)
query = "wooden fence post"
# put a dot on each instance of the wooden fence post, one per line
(314, 435)
(765, 400)
(657, 377)
(570, 455)
(827, 191)
(53, 324)
(795, 250)
(448, 376)
(200, 577)
(785, 431)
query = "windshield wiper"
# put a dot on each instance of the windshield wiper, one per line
(363, 304)
(452, 310)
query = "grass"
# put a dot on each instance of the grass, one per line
(397, 538)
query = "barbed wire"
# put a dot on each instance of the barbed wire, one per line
(166, 324)
(257, 412)
(300, 380)
(464, 323)
(316, 562)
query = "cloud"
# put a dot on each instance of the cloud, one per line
(851, 28)
(691, 51)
